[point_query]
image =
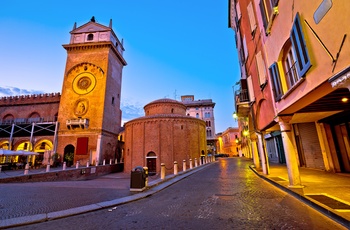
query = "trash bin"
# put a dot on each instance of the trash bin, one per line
(138, 179)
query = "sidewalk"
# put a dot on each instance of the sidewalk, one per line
(114, 189)
(108, 191)
(326, 192)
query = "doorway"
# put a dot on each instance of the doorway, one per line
(151, 163)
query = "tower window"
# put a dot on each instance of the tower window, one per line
(90, 37)
(112, 100)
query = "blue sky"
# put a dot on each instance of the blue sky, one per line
(172, 48)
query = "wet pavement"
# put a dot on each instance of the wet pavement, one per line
(24, 203)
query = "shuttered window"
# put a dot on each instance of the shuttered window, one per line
(303, 63)
(275, 77)
(251, 17)
(250, 89)
(261, 68)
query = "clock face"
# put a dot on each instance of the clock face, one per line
(84, 83)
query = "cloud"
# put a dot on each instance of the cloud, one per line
(130, 109)
(13, 91)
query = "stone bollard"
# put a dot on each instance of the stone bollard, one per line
(104, 162)
(190, 163)
(64, 165)
(116, 161)
(175, 168)
(87, 164)
(162, 171)
(77, 165)
(48, 168)
(146, 172)
(110, 161)
(184, 165)
(26, 169)
(195, 162)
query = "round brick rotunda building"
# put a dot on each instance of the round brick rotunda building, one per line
(164, 135)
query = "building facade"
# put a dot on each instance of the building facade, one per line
(164, 135)
(204, 110)
(229, 142)
(304, 46)
(85, 119)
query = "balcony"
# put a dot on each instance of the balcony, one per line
(77, 123)
(242, 102)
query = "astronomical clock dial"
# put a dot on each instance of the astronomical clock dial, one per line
(84, 83)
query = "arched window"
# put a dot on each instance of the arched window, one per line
(197, 115)
(90, 37)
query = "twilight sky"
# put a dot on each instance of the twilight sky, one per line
(172, 48)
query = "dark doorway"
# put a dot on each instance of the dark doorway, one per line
(151, 163)
(68, 156)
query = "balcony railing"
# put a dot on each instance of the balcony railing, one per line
(242, 96)
(28, 120)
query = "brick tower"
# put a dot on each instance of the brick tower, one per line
(89, 112)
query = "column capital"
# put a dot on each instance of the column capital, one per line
(283, 121)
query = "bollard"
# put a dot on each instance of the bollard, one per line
(195, 162)
(175, 168)
(64, 165)
(0, 168)
(87, 164)
(162, 171)
(77, 165)
(110, 161)
(190, 163)
(116, 161)
(200, 161)
(96, 163)
(48, 168)
(184, 165)
(104, 162)
(146, 172)
(26, 169)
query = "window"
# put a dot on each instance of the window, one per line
(302, 59)
(290, 70)
(251, 18)
(269, 10)
(197, 115)
(250, 89)
(261, 68)
(276, 81)
(245, 50)
(90, 37)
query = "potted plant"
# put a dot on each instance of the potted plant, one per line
(69, 157)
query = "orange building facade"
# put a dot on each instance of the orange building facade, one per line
(229, 142)
(305, 120)
(83, 122)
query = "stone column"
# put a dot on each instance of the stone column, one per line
(255, 152)
(291, 157)
(263, 156)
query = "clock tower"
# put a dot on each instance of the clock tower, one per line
(89, 114)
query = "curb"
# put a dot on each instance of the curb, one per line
(152, 188)
(325, 211)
